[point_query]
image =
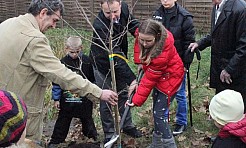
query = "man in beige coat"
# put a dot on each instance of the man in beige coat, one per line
(27, 62)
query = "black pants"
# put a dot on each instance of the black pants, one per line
(105, 108)
(83, 111)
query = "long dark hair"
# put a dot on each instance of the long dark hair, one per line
(155, 28)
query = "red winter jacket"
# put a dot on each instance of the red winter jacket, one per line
(237, 129)
(165, 72)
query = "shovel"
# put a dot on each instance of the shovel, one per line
(127, 108)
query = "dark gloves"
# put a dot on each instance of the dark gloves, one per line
(188, 57)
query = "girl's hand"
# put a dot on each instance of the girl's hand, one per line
(129, 104)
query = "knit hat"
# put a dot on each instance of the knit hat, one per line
(13, 118)
(227, 106)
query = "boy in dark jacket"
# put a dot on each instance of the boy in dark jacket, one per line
(71, 105)
(227, 110)
(179, 22)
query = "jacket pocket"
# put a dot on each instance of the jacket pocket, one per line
(165, 77)
(34, 123)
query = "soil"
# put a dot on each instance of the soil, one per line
(75, 136)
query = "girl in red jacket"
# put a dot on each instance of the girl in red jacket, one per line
(156, 54)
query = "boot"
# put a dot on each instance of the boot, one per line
(156, 141)
(169, 143)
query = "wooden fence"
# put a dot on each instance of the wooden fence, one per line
(201, 10)
(141, 9)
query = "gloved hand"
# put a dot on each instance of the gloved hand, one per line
(188, 58)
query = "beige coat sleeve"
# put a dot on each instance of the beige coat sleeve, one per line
(47, 64)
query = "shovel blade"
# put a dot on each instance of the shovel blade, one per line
(111, 141)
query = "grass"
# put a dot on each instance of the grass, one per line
(196, 136)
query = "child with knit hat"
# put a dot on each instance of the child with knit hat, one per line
(13, 118)
(227, 110)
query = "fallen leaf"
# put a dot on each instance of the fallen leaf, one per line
(130, 143)
(195, 109)
(144, 129)
(208, 134)
(202, 109)
(198, 131)
(181, 138)
(195, 143)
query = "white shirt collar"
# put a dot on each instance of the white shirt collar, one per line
(222, 3)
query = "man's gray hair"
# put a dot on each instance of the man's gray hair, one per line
(52, 5)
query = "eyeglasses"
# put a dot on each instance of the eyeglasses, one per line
(142, 41)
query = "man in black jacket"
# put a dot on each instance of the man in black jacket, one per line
(123, 21)
(228, 46)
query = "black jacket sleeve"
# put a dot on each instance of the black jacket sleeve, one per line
(204, 42)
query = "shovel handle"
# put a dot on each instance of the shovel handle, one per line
(127, 108)
(140, 75)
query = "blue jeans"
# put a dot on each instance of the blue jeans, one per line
(181, 113)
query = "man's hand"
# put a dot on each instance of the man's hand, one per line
(109, 96)
(225, 77)
(132, 87)
(57, 105)
(193, 46)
